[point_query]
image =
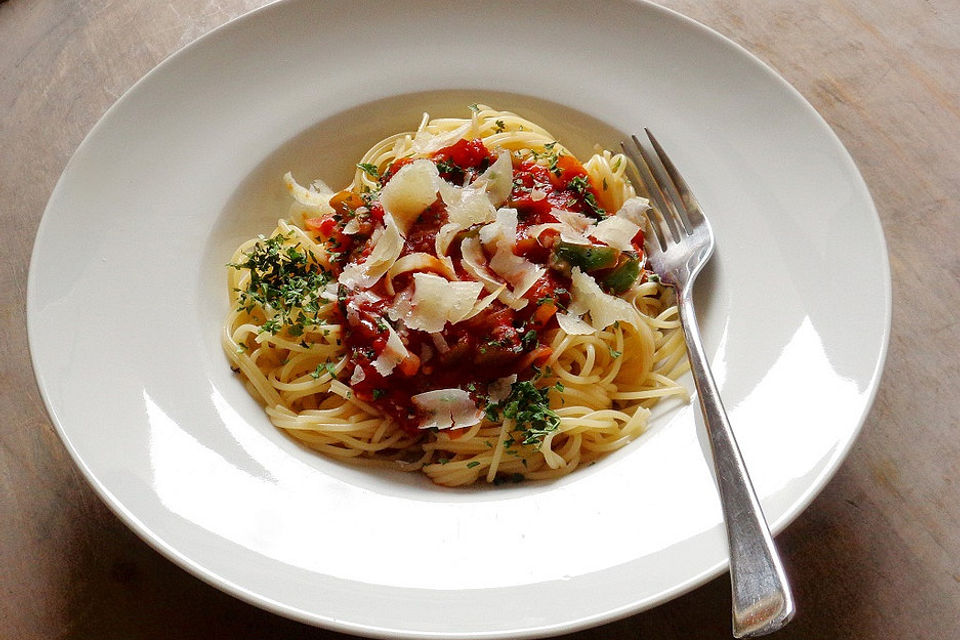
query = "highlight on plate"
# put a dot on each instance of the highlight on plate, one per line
(474, 305)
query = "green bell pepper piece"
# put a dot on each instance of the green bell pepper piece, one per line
(621, 278)
(588, 258)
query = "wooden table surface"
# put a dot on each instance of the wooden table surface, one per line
(877, 554)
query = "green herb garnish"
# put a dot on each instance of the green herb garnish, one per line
(369, 169)
(285, 283)
(580, 185)
(529, 408)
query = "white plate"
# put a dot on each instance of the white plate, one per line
(127, 291)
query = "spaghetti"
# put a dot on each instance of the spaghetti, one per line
(474, 306)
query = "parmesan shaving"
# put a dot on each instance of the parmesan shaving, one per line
(418, 261)
(319, 201)
(604, 309)
(437, 301)
(616, 232)
(393, 353)
(499, 179)
(467, 206)
(633, 209)
(575, 221)
(447, 408)
(485, 302)
(473, 263)
(445, 236)
(410, 192)
(519, 272)
(358, 375)
(500, 388)
(425, 143)
(573, 325)
(387, 245)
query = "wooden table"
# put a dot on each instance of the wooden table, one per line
(877, 554)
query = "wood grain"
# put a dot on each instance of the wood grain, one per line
(877, 554)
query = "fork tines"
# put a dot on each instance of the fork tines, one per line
(677, 213)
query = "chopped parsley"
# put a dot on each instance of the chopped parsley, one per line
(580, 185)
(530, 340)
(551, 155)
(285, 283)
(369, 169)
(529, 408)
(324, 367)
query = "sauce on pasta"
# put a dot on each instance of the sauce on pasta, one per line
(473, 305)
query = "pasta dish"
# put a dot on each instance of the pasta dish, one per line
(474, 306)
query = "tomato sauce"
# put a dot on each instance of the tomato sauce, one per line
(497, 342)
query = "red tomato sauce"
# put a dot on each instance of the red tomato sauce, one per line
(499, 341)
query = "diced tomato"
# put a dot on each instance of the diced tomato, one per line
(537, 358)
(466, 154)
(392, 170)
(409, 365)
(376, 211)
(346, 202)
(323, 225)
(543, 314)
(568, 168)
(525, 245)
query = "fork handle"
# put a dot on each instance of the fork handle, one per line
(762, 602)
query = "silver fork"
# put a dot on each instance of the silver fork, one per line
(679, 242)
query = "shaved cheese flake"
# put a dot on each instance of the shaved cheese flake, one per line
(393, 353)
(573, 325)
(483, 303)
(462, 298)
(317, 201)
(573, 226)
(536, 230)
(467, 206)
(425, 143)
(410, 192)
(615, 232)
(473, 263)
(502, 229)
(388, 243)
(499, 179)
(445, 236)
(500, 388)
(358, 375)
(518, 272)
(633, 210)
(604, 309)
(575, 221)
(418, 261)
(447, 408)
(402, 305)
(437, 301)
(329, 292)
